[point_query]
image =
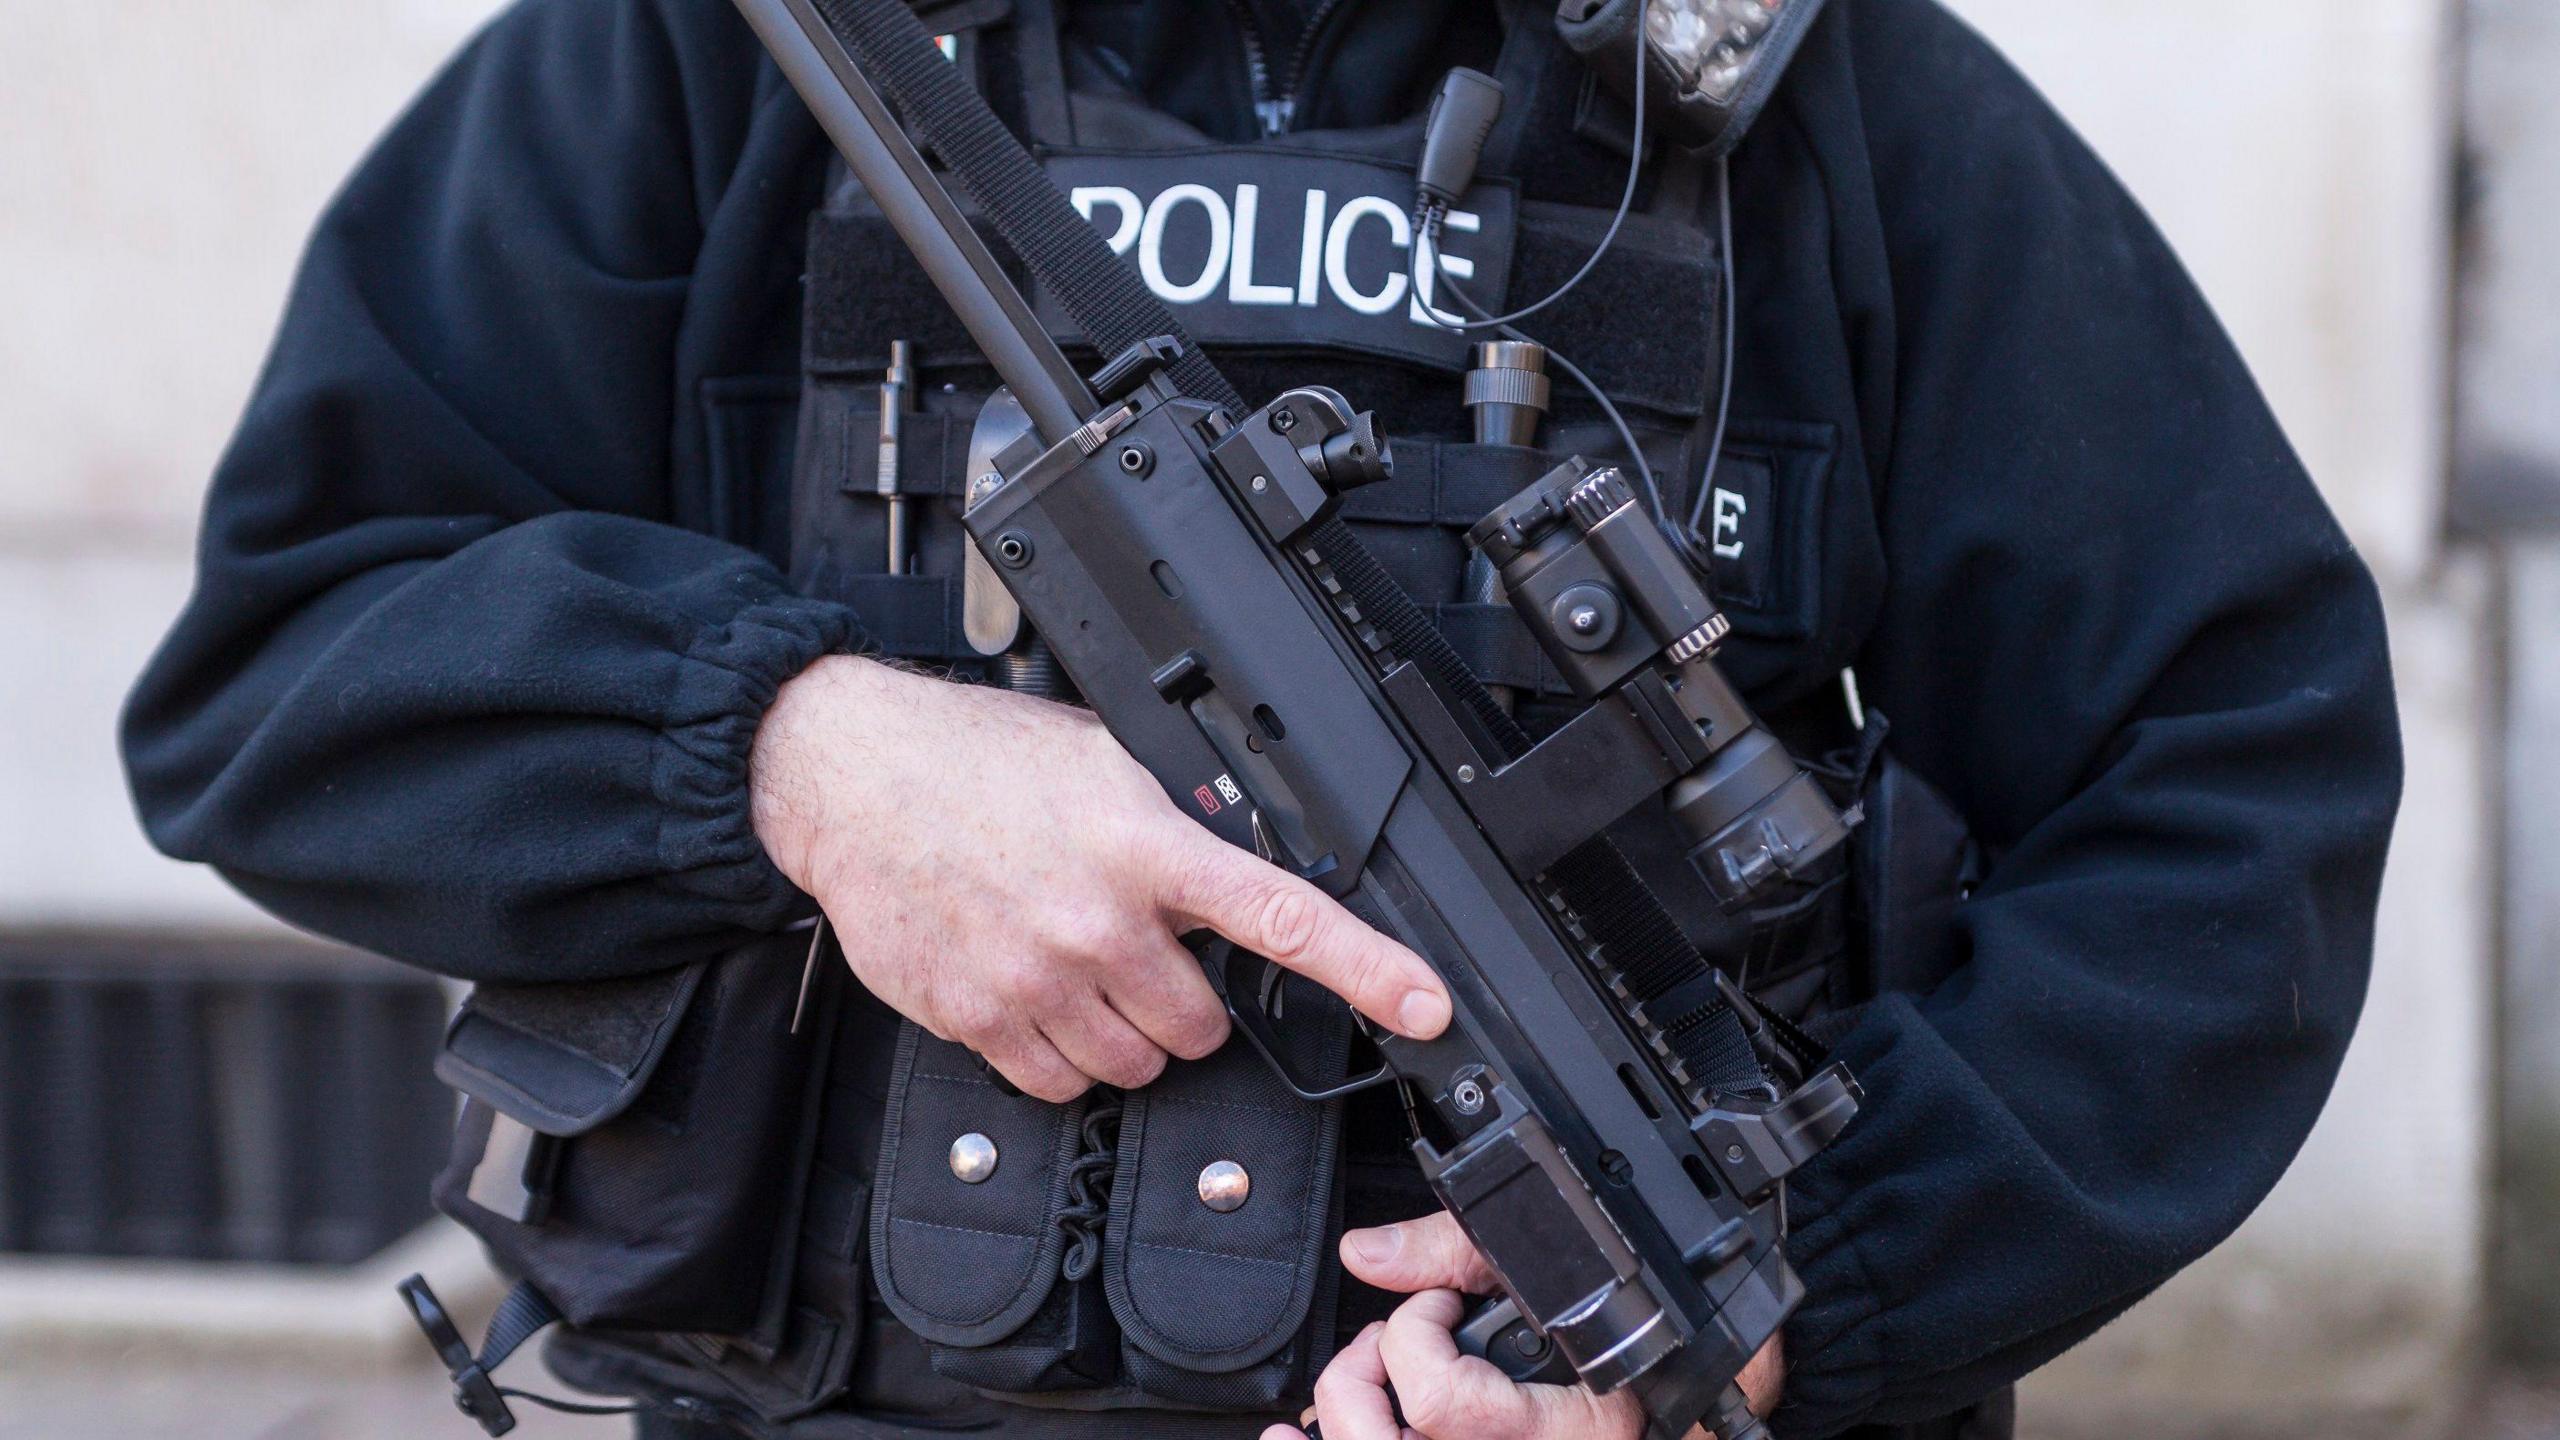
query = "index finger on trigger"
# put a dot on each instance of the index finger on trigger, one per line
(1291, 923)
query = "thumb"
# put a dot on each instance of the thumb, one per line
(1291, 923)
(1431, 1253)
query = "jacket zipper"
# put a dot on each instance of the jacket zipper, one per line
(1276, 93)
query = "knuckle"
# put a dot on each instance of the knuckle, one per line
(972, 1017)
(1056, 1091)
(1086, 932)
(1333, 1387)
(1429, 1407)
(1136, 1067)
(1054, 1083)
(1203, 1030)
(1448, 1246)
(995, 983)
(1476, 1410)
(1045, 992)
(1365, 972)
(1288, 923)
(1426, 1257)
(1030, 985)
(1195, 877)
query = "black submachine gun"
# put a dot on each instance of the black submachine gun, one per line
(1608, 1117)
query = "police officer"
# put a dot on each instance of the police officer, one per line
(545, 636)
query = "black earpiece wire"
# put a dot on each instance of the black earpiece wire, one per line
(1732, 321)
(1431, 214)
(1430, 217)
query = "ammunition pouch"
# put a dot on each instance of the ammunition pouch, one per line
(1061, 1254)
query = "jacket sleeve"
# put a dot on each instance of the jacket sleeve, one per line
(2123, 632)
(448, 687)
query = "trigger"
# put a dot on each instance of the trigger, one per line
(1273, 998)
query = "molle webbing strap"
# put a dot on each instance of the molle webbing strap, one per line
(1107, 301)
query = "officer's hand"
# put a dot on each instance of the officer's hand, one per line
(1411, 1362)
(1002, 873)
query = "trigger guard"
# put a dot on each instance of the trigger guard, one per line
(1250, 998)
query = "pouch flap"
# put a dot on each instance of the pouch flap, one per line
(1217, 1291)
(958, 1262)
(565, 1058)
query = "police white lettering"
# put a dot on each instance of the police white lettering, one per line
(1337, 255)
(1234, 253)
(1311, 247)
(1120, 198)
(1433, 261)
(1242, 288)
(1151, 243)
(1729, 511)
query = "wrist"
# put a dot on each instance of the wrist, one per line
(796, 754)
(1764, 1380)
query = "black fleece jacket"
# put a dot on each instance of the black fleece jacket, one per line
(476, 652)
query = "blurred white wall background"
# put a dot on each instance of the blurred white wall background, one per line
(2299, 155)
(162, 162)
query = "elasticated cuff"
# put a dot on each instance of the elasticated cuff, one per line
(725, 682)
(1836, 1341)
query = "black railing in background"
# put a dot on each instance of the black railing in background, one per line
(182, 1098)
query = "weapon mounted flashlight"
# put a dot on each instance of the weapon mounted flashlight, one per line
(1608, 597)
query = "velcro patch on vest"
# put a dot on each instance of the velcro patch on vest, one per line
(1737, 526)
(1762, 526)
(1253, 247)
(1323, 270)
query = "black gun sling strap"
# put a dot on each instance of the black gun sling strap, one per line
(1107, 301)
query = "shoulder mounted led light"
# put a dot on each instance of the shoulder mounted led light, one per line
(1713, 63)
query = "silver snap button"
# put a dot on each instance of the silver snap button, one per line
(973, 1158)
(1224, 1186)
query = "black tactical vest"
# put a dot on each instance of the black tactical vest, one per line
(780, 1222)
